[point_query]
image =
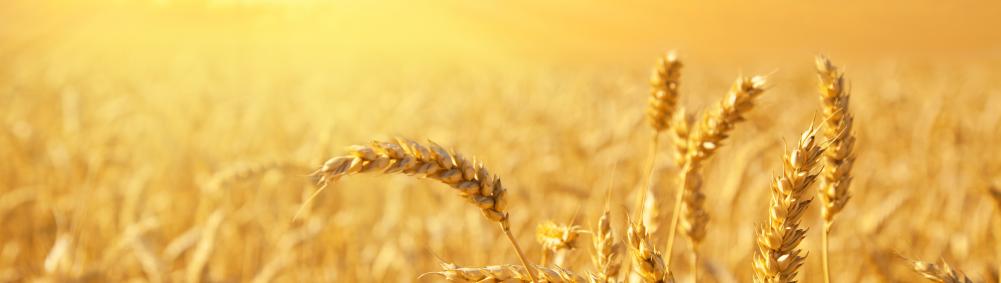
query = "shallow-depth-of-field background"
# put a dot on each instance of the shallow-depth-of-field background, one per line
(172, 141)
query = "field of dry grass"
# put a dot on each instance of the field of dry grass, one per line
(164, 162)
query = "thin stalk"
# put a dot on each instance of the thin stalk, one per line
(823, 251)
(654, 148)
(695, 265)
(506, 226)
(677, 214)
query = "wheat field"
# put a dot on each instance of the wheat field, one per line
(188, 143)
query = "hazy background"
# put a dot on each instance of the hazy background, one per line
(585, 32)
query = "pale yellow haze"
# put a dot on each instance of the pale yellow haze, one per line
(530, 31)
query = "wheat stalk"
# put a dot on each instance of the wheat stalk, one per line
(606, 258)
(507, 273)
(941, 274)
(648, 263)
(469, 178)
(777, 258)
(995, 191)
(714, 127)
(839, 156)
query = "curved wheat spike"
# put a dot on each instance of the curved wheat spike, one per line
(702, 142)
(778, 258)
(941, 274)
(470, 179)
(839, 155)
(506, 273)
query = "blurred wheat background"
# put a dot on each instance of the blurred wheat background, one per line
(172, 141)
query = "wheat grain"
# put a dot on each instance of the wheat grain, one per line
(839, 156)
(777, 258)
(941, 274)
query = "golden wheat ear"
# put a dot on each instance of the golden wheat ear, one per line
(647, 262)
(839, 157)
(469, 179)
(700, 143)
(778, 258)
(606, 259)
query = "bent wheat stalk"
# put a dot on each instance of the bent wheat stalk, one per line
(469, 178)
(839, 156)
(702, 143)
(777, 258)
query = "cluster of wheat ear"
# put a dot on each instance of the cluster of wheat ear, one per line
(778, 256)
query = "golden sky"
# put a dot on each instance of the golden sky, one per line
(562, 30)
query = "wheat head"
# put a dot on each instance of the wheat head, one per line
(664, 91)
(606, 251)
(647, 261)
(777, 258)
(839, 156)
(470, 179)
(701, 143)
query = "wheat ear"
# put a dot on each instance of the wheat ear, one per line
(507, 273)
(469, 178)
(941, 274)
(648, 263)
(839, 155)
(664, 82)
(558, 239)
(702, 142)
(606, 258)
(777, 258)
